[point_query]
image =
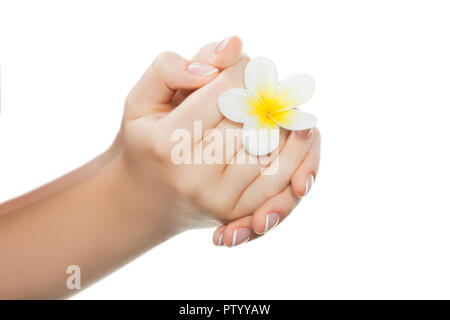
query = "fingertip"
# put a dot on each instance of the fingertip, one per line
(229, 44)
(238, 232)
(235, 44)
(265, 221)
(302, 181)
(298, 185)
(218, 236)
(227, 52)
(228, 237)
(258, 224)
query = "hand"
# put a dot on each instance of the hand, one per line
(204, 194)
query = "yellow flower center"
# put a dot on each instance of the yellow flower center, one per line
(268, 110)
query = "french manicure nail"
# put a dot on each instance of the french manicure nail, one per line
(305, 134)
(241, 235)
(222, 45)
(272, 220)
(309, 183)
(220, 242)
(201, 70)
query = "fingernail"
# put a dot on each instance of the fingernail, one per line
(272, 220)
(309, 184)
(222, 45)
(201, 70)
(220, 243)
(305, 134)
(241, 235)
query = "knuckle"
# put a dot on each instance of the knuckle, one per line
(159, 147)
(216, 202)
(230, 211)
(185, 187)
(223, 209)
(226, 217)
(131, 101)
(162, 60)
(163, 57)
(179, 185)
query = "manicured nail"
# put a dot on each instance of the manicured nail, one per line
(272, 220)
(305, 134)
(222, 45)
(201, 70)
(309, 183)
(220, 243)
(241, 235)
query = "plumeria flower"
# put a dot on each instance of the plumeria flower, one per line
(267, 104)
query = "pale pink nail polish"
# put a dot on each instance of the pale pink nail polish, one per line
(305, 134)
(201, 70)
(241, 235)
(222, 45)
(272, 220)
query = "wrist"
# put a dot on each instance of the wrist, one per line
(147, 202)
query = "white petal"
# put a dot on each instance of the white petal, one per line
(295, 119)
(261, 78)
(260, 141)
(295, 90)
(236, 104)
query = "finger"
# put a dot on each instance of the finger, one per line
(218, 236)
(219, 145)
(168, 73)
(305, 175)
(238, 232)
(201, 106)
(266, 218)
(222, 146)
(221, 55)
(275, 210)
(244, 168)
(271, 213)
(279, 207)
(277, 176)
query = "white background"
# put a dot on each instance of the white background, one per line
(376, 224)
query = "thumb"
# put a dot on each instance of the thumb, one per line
(168, 73)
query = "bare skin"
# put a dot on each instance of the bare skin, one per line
(133, 197)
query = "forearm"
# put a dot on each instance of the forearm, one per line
(95, 219)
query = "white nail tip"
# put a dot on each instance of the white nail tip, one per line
(213, 70)
(234, 238)
(267, 223)
(222, 45)
(309, 183)
(266, 230)
(200, 69)
(221, 240)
